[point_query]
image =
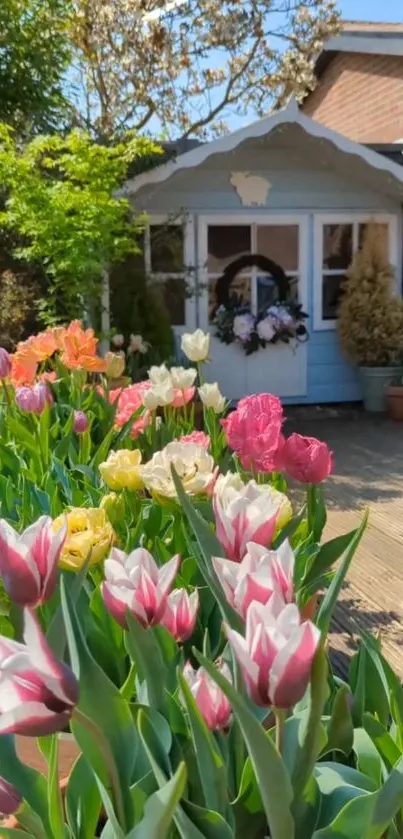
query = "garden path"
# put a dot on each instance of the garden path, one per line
(368, 473)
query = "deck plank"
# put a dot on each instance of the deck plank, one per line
(368, 474)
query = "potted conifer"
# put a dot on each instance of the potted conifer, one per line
(370, 320)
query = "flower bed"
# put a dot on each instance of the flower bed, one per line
(160, 602)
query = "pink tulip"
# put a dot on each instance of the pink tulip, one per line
(80, 422)
(29, 561)
(180, 614)
(198, 437)
(276, 654)
(37, 692)
(253, 431)
(183, 396)
(210, 700)
(244, 513)
(134, 583)
(33, 400)
(307, 459)
(259, 576)
(5, 363)
(10, 798)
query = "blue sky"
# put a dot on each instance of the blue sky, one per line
(384, 10)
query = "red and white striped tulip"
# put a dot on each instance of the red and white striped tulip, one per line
(38, 693)
(180, 614)
(134, 583)
(210, 700)
(277, 653)
(259, 575)
(29, 561)
(247, 513)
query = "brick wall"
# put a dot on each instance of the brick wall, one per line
(360, 96)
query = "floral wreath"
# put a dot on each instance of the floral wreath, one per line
(283, 321)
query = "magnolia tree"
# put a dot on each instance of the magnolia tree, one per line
(185, 66)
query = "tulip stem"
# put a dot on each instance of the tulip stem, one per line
(311, 507)
(109, 759)
(281, 717)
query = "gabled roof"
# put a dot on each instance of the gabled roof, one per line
(289, 115)
(368, 37)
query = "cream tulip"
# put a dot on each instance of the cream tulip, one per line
(196, 345)
(182, 377)
(192, 463)
(212, 397)
(159, 374)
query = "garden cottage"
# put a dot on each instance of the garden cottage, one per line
(285, 191)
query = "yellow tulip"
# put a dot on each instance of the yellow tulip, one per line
(89, 534)
(115, 364)
(121, 470)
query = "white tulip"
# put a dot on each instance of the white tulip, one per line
(183, 378)
(163, 393)
(151, 398)
(196, 345)
(159, 374)
(212, 397)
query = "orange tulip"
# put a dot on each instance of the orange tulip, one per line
(79, 349)
(23, 369)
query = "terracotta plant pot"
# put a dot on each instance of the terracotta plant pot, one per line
(394, 401)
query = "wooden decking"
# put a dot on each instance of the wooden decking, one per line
(368, 473)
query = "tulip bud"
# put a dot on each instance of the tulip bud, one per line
(5, 363)
(180, 614)
(118, 340)
(80, 423)
(33, 400)
(10, 798)
(196, 345)
(212, 397)
(29, 560)
(114, 506)
(211, 701)
(307, 459)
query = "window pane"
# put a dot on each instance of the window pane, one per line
(267, 291)
(381, 230)
(166, 245)
(279, 243)
(174, 293)
(331, 293)
(226, 243)
(337, 246)
(241, 286)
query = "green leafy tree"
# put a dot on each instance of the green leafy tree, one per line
(34, 56)
(61, 200)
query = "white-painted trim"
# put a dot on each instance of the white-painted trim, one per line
(371, 44)
(289, 115)
(189, 261)
(355, 218)
(274, 219)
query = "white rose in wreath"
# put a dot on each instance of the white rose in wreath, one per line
(266, 329)
(282, 314)
(243, 326)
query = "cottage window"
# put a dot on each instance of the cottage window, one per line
(336, 241)
(165, 264)
(227, 242)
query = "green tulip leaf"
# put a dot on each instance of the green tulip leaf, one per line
(209, 547)
(103, 729)
(327, 555)
(271, 774)
(31, 784)
(83, 801)
(145, 652)
(160, 808)
(387, 748)
(330, 598)
(340, 730)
